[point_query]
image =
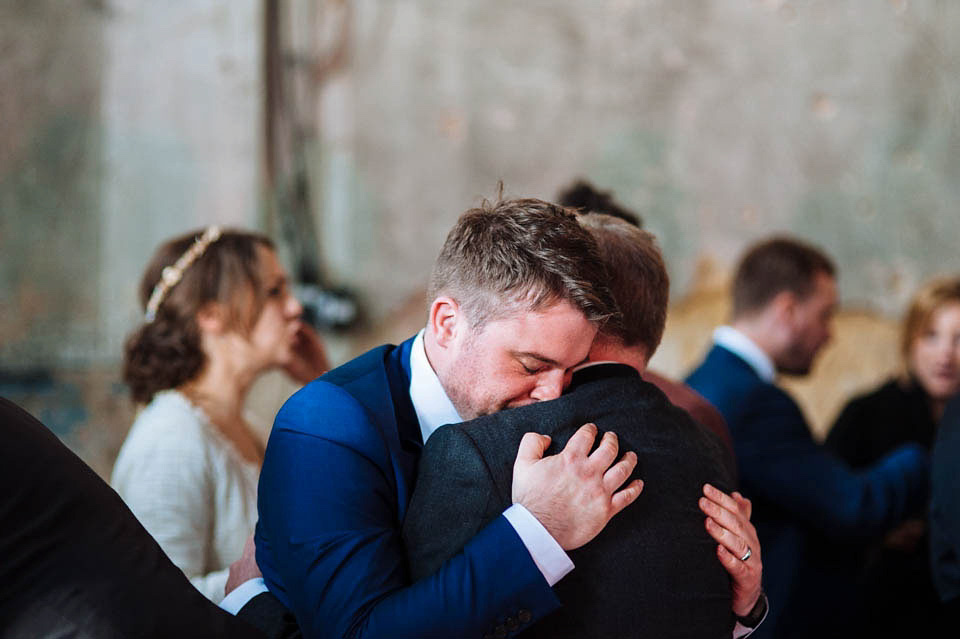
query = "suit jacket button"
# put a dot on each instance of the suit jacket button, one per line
(500, 632)
(524, 616)
(512, 624)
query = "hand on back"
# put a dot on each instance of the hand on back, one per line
(738, 547)
(574, 493)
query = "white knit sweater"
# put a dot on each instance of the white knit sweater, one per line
(190, 489)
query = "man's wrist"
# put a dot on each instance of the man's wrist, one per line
(753, 618)
(243, 594)
(546, 553)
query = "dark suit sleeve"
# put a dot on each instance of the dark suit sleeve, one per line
(780, 462)
(455, 497)
(329, 543)
(945, 508)
(267, 614)
(75, 562)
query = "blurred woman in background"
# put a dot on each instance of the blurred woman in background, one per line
(895, 574)
(218, 313)
(907, 408)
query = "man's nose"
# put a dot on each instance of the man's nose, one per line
(549, 386)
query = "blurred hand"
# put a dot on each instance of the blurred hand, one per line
(309, 356)
(243, 569)
(574, 493)
(906, 536)
(728, 522)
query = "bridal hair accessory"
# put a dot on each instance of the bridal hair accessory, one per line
(172, 274)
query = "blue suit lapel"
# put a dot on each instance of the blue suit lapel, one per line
(397, 369)
(380, 381)
(398, 376)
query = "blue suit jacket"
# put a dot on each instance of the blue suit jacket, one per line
(337, 476)
(800, 491)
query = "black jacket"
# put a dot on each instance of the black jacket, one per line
(653, 571)
(75, 562)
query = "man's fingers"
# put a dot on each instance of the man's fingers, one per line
(736, 544)
(721, 498)
(619, 472)
(606, 452)
(726, 518)
(746, 506)
(581, 442)
(626, 496)
(733, 564)
(532, 448)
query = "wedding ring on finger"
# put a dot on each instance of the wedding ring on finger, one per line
(747, 554)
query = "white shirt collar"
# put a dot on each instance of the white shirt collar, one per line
(591, 363)
(430, 401)
(745, 348)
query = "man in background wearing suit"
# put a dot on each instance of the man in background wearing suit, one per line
(805, 499)
(653, 571)
(75, 562)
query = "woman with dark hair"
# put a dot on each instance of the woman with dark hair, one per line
(896, 574)
(218, 313)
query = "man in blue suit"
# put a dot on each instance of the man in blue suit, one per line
(805, 500)
(516, 305)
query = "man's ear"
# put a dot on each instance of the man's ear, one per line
(784, 307)
(212, 318)
(446, 319)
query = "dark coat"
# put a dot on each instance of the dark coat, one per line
(653, 571)
(873, 424)
(803, 493)
(945, 509)
(895, 584)
(75, 562)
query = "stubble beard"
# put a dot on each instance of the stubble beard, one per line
(798, 363)
(463, 379)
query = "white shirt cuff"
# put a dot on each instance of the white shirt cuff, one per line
(553, 562)
(240, 597)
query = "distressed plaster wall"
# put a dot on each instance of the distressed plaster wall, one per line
(721, 122)
(122, 123)
(49, 181)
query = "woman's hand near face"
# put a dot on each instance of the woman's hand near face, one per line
(309, 356)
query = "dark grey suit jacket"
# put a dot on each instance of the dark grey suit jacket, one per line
(653, 571)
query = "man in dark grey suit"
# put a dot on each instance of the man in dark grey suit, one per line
(653, 572)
